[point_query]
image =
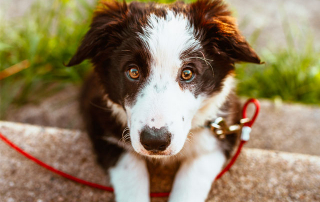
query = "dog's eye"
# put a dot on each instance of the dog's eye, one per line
(133, 73)
(186, 74)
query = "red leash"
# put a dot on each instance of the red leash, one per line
(245, 133)
(244, 138)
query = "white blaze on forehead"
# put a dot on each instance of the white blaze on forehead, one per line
(164, 103)
(167, 38)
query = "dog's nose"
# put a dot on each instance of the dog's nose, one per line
(154, 139)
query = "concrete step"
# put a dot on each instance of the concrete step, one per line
(258, 175)
(287, 127)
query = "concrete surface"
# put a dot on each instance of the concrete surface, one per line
(257, 176)
(58, 110)
(288, 127)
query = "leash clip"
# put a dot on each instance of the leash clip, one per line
(221, 128)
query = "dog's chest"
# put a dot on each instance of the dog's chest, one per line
(200, 141)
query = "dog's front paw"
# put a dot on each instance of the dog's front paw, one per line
(185, 197)
(195, 176)
(130, 179)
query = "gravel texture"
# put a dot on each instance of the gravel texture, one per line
(258, 175)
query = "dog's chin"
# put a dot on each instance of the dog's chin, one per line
(156, 155)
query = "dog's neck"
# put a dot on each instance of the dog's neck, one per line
(212, 107)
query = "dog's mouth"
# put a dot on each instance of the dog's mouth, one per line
(141, 150)
(156, 154)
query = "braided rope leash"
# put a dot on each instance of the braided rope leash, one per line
(245, 129)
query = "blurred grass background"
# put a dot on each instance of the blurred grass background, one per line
(47, 35)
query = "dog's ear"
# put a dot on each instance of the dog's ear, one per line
(221, 32)
(107, 16)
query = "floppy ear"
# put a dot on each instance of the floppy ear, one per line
(221, 32)
(106, 17)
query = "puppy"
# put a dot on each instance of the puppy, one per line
(161, 72)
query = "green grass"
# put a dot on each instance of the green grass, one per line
(49, 33)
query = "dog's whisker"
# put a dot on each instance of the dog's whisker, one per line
(125, 130)
(122, 139)
(205, 60)
(126, 137)
(100, 107)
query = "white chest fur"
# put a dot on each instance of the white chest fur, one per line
(200, 142)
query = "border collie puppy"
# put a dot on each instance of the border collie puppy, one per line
(161, 72)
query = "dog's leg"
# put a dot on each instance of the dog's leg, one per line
(130, 179)
(195, 176)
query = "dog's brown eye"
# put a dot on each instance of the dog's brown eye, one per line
(134, 73)
(187, 74)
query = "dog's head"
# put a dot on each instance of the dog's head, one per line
(167, 67)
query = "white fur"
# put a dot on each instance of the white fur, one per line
(202, 160)
(130, 179)
(195, 176)
(166, 38)
(200, 141)
(167, 105)
(166, 111)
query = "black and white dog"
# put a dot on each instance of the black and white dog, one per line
(161, 72)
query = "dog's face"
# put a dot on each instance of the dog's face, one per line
(164, 65)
